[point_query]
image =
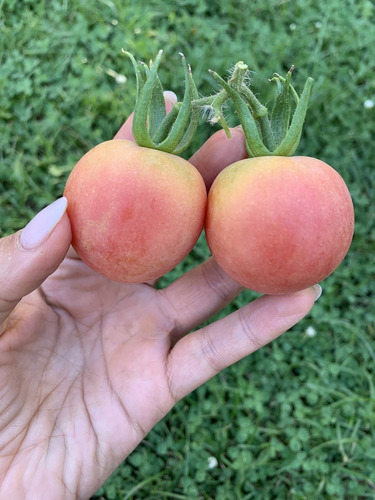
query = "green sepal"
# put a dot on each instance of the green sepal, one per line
(280, 117)
(189, 133)
(166, 125)
(194, 119)
(254, 142)
(141, 111)
(138, 70)
(157, 110)
(152, 127)
(292, 138)
(176, 132)
(265, 136)
(260, 114)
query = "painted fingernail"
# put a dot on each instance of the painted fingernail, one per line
(317, 289)
(170, 96)
(41, 226)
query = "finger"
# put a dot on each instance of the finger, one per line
(202, 354)
(28, 257)
(198, 295)
(125, 131)
(218, 152)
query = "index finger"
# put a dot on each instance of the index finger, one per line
(218, 152)
(125, 131)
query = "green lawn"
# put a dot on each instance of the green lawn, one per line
(296, 420)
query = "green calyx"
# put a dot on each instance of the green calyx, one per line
(152, 127)
(268, 132)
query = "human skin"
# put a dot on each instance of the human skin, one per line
(88, 366)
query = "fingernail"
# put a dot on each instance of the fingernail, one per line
(317, 289)
(170, 96)
(41, 226)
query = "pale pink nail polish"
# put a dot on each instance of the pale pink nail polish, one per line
(170, 96)
(41, 226)
(317, 291)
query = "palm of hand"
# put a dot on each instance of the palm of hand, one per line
(85, 365)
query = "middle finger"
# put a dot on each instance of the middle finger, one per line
(198, 295)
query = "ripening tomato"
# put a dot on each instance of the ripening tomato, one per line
(279, 224)
(135, 212)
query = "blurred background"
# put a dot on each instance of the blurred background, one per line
(296, 420)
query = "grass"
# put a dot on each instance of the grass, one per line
(297, 419)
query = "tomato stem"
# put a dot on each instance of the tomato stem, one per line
(212, 106)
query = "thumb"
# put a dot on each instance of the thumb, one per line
(218, 152)
(29, 256)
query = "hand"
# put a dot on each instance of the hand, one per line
(89, 366)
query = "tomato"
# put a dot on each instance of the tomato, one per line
(279, 224)
(135, 212)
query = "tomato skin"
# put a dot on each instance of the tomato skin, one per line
(279, 224)
(135, 212)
